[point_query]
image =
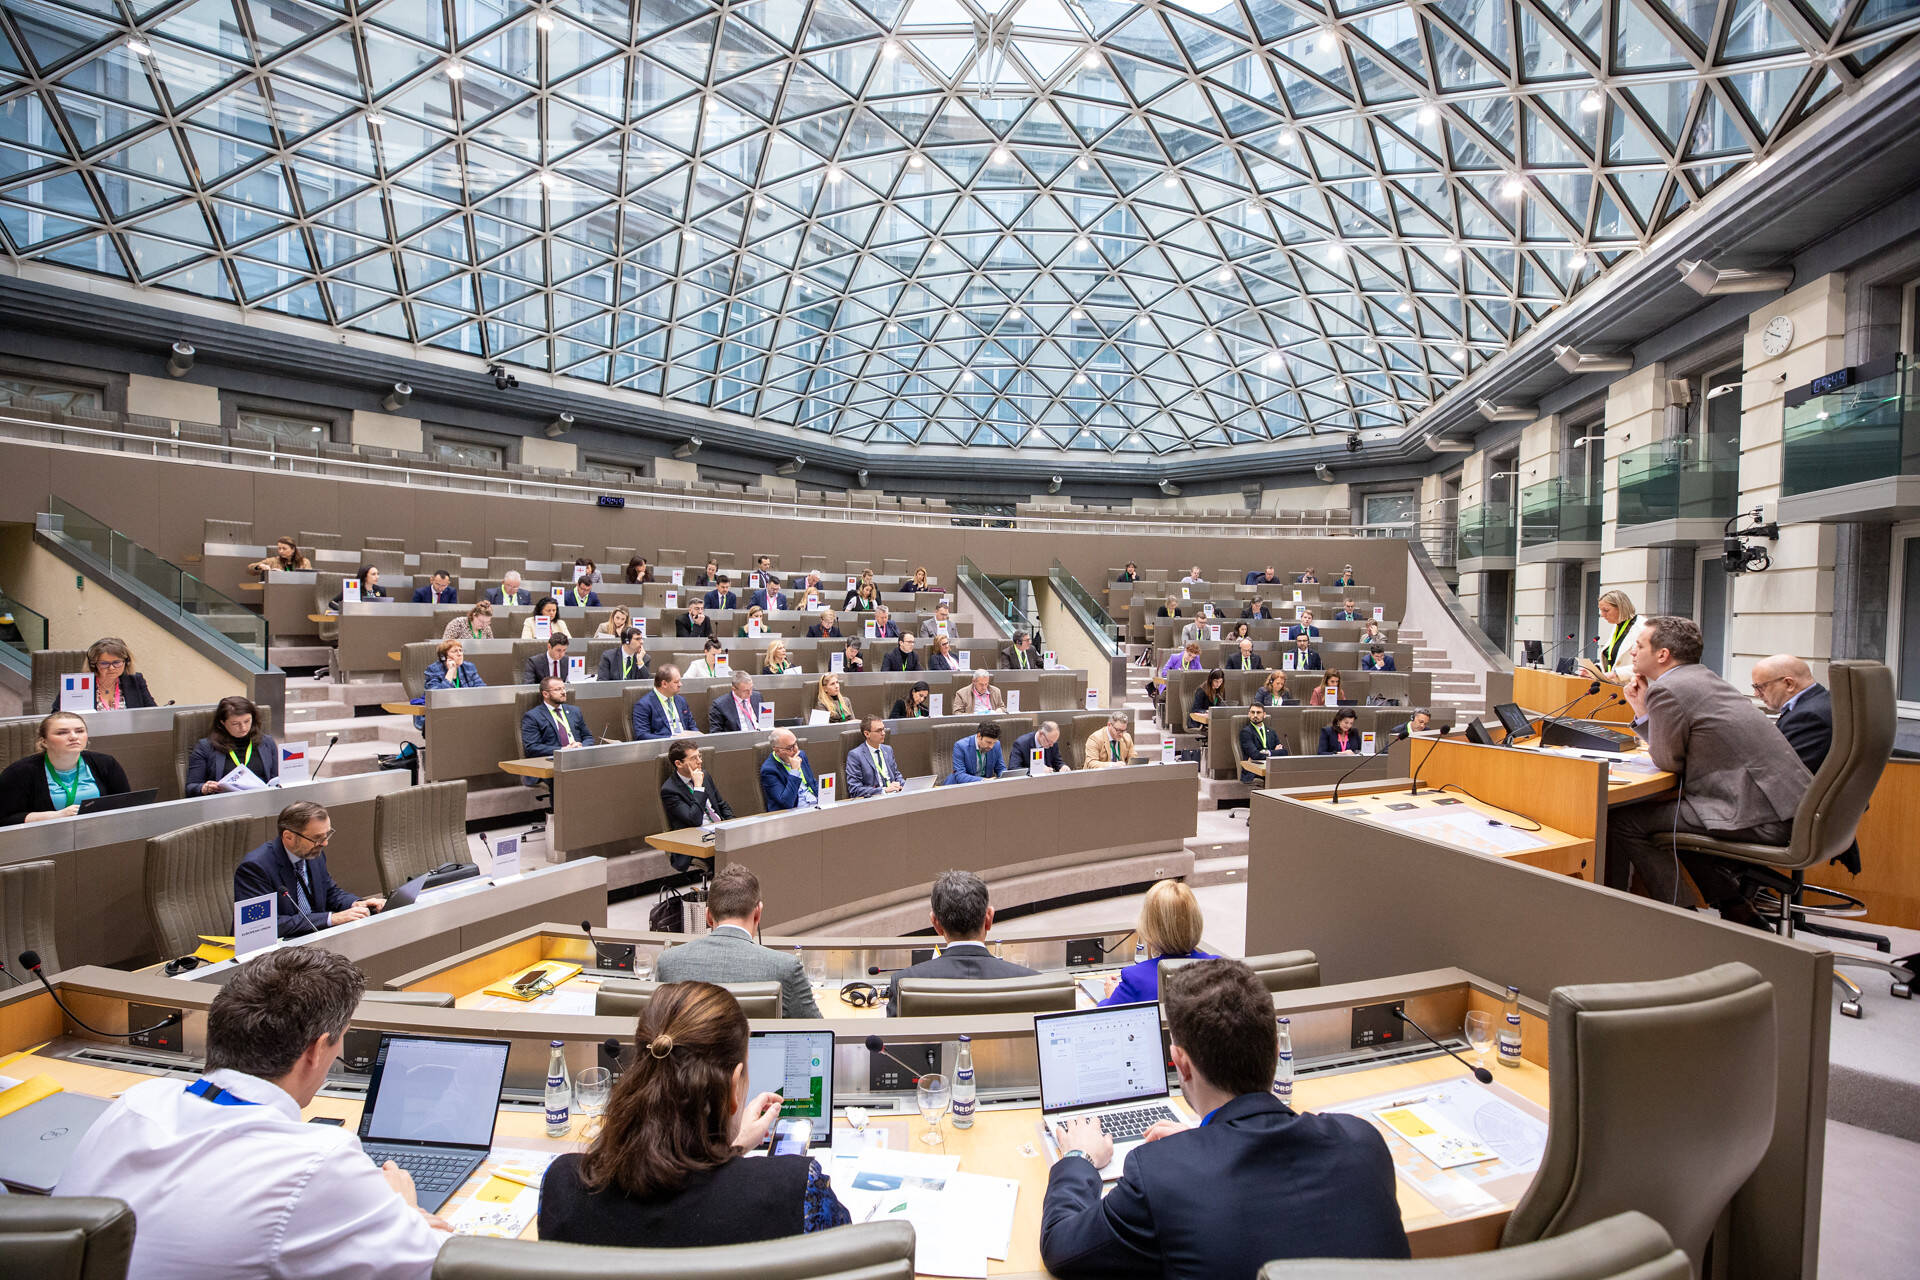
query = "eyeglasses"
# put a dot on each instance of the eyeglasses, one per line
(319, 842)
(1761, 686)
(110, 664)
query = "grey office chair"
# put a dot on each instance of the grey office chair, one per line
(418, 829)
(864, 1251)
(65, 1237)
(1036, 993)
(48, 666)
(1661, 1099)
(1864, 720)
(26, 912)
(18, 740)
(189, 882)
(1627, 1246)
(1277, 970)
(626, 997)
(189, 727)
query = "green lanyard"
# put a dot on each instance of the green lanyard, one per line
(71, 789)
(1260, 732)
(238, 763)
(579, 601)
(1612, 652)
(626, 667)
(560, 724)
(673, 713)
(456, 677)
(880, 763)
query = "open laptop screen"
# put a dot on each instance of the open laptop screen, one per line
(800, 1065)
(1093, 1057)
(439, 1091)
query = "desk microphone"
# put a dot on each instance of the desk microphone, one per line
(600, 955)
(1481, 1074)
(1566, 640)
(333, 739)
(1107, 951)
(876, 1045)
(874, 971)
(1414, 790)
(1364, 760)
(30, 961)
(298, 914)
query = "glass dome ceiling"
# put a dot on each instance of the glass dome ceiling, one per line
(1133, 228)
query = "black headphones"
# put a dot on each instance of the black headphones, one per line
(861, 995)
(176, 967)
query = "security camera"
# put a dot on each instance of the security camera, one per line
(502, 380)
(1353, 443)
(1739, 556)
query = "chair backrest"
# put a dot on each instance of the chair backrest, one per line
(385, 544)
(1035, 993)
(515, 547)
(864, 1251)
(191, 726)
(1627, 1246)
(189, 882)
(418, 829)
(1864, 721)
(626, 997)
(18, 739)
(453, 546)
(67, 1237)
(26, 911)
(313, 541)
(227, 530)
(1277, 970)
(48, 666)
(1661, 1099)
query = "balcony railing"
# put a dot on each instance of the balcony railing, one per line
(1485, 530)
(21, 632)
(1687, 477)
(1559, 510)
(1868, 431)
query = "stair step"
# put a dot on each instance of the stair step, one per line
(282, 655)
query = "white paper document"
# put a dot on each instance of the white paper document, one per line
(241, 778)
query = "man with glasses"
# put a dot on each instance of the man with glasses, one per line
(871, 768)
(293, 867)
(1803, 712)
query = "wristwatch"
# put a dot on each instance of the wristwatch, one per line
(1067, 1155)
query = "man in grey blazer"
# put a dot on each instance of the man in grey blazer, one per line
(962, 916)
(1739, 779)
(728, 952)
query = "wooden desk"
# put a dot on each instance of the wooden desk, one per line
(685, 841)
(1548, 691)
(529, 767)
(402, 708)
(1622, 787)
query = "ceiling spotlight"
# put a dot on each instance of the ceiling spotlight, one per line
(455, 71)
(546, 180)
(792, 465)
(1225, 273)
(375, 119)
(860, 477)
(1710, 281)
(1404, 307)
(1054, 483)
(688, 447)
(1574, 360)
(1578, 260)
(916, 162)
(1459, 353)
(1507, 412)
(180, 359)
(1082, 243)
(1513, 188)
(893, 328)
(1287, 137)
(1080, 379)
(1369, 348)
(1092, 59)
(544, 22)
(1077, 314)
(1451, 255)
(139, 48)
(1014, 313)
(833, 173)
(1169, 488)
(888, 49)
(1592, 102)
(397, 398)
(1170, 182)
(1083, 163)
(1337, 252)
(1323, 471)
(560, 426)
(933, 250)
(502, 380)
(1328, 41)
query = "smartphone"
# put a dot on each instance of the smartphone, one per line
(332, 1120)
(791, 1137)
(530, 979)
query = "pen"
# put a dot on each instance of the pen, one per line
(1408, 1102)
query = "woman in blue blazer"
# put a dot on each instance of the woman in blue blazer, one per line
(452, 671)
(1169, 928)
(234, 742)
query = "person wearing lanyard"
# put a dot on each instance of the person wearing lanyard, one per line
(1021, 656)
(663, 713)
(1342, 737)
(628, 659)
(690, 798)
(871, 768)
(737, 710)
(116, 685)
(553, 725)
(786, 776)
(1110, 744)
(53, 781)
(583, 594)
(449, 670)
(234, 742)
(1258, 742)
(1616, 645)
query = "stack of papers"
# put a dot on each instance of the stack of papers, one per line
(509, 1200)
(960, 1220)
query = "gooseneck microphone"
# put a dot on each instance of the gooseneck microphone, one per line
(332, 741)
(298, 914)
(874, 971)
(1481, 1074)
(876, 1045)
(1365, 760)
(30, 961)
(1414, 790)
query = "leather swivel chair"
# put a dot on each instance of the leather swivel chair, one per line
(48, 666)
(189, 727)
(864, 1251)
(189, 882)
(937, 997)
(1864, 721)
(626, 997)
(65, 1237)
(418, 829)
(1627, 1246)
(1277, 970)
(1661, 1099)
(26, 912)
(18, 739)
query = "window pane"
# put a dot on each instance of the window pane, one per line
(282, 426)
(37, 393)
(1390, 508)
(468, 454)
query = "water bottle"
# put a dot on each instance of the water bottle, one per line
(1283, 1069)
(1510, 1030)
(963, 1091)
(1140, 952)
(559, 1091)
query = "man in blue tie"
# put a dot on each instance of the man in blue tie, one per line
(293, 867)
(663, 713)
(977, 758)
(722, 596)
(871, 768)
(786, 776)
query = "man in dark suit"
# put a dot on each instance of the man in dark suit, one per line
(1256, 609)
(902, 657)
(441, 592)
(1303, 626)
(1258, 741)
(1377, 658)
(1348, 612)
(626, 660)
(1046, 740)
(583, 596)
(1304, 657)
(963, 917)
(1803, 712)
(722, 597)
(509, 591)
(293, 867)
(768, 578)
(884, 627)
(1021, 656)
(690, 799)
(737, 709)
(787, 780)
(1259, 577)
(1253, 1181)
(694, 622)
(554, 724)
(1244, 659)
(663, 713)
(553, 662)
(976, 757)
(1739, 779)
(772, 600)
(871, 768)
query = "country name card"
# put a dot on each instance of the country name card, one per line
(542, 627)
(828, 781)
(76, 691)
(350, 591)
(293, 763)
(576, 668)
(506, 857)
(256, 924)
(1013, 700)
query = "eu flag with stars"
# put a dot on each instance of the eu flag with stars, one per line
(255, 912)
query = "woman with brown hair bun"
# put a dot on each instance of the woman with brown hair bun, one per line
(668, 1169)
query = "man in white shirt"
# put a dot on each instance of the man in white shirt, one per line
(1193, 576)
(221, 1174)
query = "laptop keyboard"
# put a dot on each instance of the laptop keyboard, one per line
(434, 1173)
(1127, 1126)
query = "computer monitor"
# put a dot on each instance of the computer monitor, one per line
(799, 1066)
(1096, 1057)
(1514, 721)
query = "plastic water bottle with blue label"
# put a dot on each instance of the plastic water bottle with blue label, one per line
(1283, 1068)
(963, 1090)
(559, 1091)
(1510, 1030)
(1140, 952)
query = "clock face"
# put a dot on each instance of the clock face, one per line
(1776, 337)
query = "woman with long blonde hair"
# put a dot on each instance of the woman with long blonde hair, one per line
(1170, 926)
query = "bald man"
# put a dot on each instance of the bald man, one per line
(1804, 712)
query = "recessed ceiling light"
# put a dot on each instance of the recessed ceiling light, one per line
(1459, 353)
(1369, 348)
(1427, 115)
(1081, 242)
(1092, 59)
(546, 180)
(1077, 314)
(1287, 137)
(888, 49)
(1001, 155)
(916, 162)
(1014, 313)
(893, 328)
(1083, 163)
(1451, 255)
(833, 174)
(1338, 252)
(375, 119)
(1405, 308)
(1579, 259)
(1170, 181)
(1080, 378)
(933, 250)
(544, 22)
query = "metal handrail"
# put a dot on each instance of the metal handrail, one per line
(967, 573)
(1080, 601)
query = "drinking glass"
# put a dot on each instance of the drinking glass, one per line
(642, 965)
(1479, 1029)
(934, 1093)
(591, 1089)
(817, 968)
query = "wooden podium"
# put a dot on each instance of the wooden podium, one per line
(1542, 691)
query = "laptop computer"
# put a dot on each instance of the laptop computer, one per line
(799, 1066)
(1108, 1063)
(37, 1141)
(409, 893)
(431, 1106)
(125, 800)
